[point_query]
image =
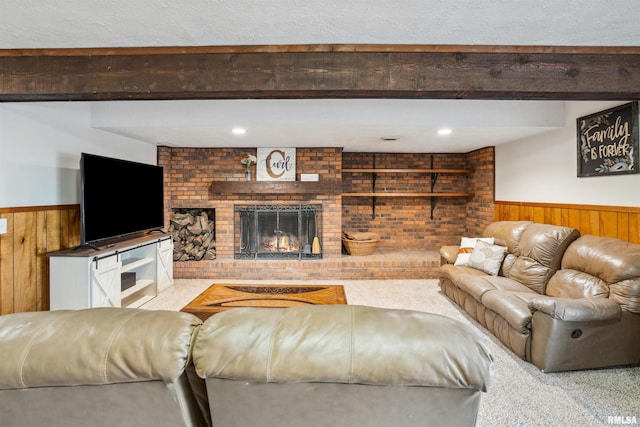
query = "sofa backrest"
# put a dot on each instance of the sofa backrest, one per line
(342, 344)
(534, 250)
(541, 249)
(594, 266)
(94, 346)
(507, 233)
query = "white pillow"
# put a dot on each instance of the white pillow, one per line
(466, 247)
(487, 258)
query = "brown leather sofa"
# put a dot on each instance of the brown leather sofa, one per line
(560, 301)
(320, 365)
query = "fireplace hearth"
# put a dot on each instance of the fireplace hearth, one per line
(291, 231)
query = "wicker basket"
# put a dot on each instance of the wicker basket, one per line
(360, 247)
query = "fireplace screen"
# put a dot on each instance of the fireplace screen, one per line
(278, 231)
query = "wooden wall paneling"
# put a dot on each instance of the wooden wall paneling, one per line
(623, 221)
(513, 213)
(574, 219)
(24, 265)
(6, 267)
(634, 228)
(537, 214)
(608, 224)
(63, 227)
(525, 213)
(620, 222)
(44, 234)
(555, 216)
(72, 232)
(564, 221)
(24, 243)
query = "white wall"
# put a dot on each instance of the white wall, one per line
(40, 146)
(543, 168)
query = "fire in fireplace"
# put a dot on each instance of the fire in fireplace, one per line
(278, 231)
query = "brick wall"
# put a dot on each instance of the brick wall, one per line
(403, 223)
(479, 210)
(188, 176)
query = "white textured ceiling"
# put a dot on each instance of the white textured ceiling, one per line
(356, 125)
(111, 23)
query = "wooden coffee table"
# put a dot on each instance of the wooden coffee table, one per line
(221, 297)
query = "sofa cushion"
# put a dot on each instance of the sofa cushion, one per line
(511, 306)
(507, 284)
(453, 273)
(541, 250)
(569, 283)
(612, 261)
(94, 346)
(507, 264)
(486, 257)
(476, 286)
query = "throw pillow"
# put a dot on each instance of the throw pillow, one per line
(466, 247)
(486, 257)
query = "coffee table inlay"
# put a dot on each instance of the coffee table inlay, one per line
(220, 297)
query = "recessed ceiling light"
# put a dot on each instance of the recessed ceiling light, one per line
(444, 131)
(238, 131)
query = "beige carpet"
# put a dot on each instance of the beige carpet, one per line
(520, 395)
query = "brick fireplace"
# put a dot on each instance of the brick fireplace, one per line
(278, 231)
(213, 178)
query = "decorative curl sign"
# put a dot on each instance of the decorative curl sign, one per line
(276, 164)
(608, 142)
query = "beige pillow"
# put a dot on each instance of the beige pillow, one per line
(487, 257)
(466, 247)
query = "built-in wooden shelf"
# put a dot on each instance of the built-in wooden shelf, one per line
(380, 170)
(371, 194)
(275, 187)
(433, 172)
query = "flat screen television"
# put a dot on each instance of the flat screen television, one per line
(118, 198)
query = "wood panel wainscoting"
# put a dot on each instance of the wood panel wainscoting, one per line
(32, 232)
(607, 221)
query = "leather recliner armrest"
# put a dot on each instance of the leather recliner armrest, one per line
(448, 254)
(577, 310)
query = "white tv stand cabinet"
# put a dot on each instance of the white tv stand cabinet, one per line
(86, 278)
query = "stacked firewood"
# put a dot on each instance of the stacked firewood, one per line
(193, 236)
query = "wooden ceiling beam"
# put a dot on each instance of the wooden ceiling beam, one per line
(321, 71)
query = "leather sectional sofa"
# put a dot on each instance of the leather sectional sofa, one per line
(556, 299)
(332, 365)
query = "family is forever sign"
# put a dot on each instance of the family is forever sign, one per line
(608, 142)
(276, 164)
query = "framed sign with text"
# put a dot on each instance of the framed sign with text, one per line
(276, 164)
(608, 142)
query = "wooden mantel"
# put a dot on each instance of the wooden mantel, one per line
(220, 188)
